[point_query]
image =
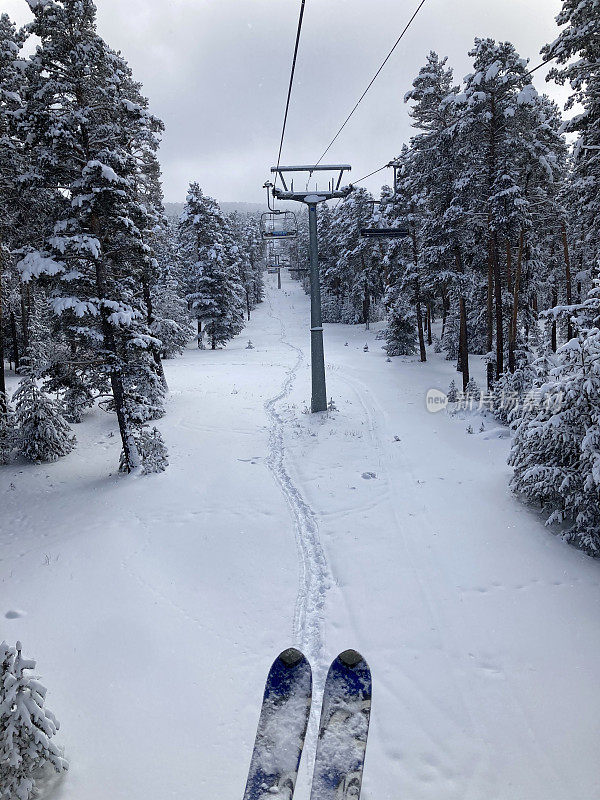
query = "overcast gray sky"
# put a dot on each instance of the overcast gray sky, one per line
(216, 72)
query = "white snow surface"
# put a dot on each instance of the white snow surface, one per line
(154, 607)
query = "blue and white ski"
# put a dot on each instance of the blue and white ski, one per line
(281, 729)
(343, 729)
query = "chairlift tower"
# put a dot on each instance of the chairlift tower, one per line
(311, 197)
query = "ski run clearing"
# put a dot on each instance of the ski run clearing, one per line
(155, 606)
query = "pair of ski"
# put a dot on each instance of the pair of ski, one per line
(282, 728)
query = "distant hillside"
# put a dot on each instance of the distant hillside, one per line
(175, 209)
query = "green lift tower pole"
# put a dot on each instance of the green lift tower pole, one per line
(317, 355)
(311, 198)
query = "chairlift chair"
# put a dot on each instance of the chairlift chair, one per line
(278, 225)
(378, 231)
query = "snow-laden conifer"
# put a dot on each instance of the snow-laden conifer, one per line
(43, 432)
(27, 727)
(8, 431)
(400, 333)
(211, 259)
(452, 393)
(91, 138)
(577, 52)
(556, 450)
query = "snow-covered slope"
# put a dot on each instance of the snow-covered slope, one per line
(155, 606)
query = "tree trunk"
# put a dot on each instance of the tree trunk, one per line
(509, 266)
(494, 284)
(15, 340)
(200, 334)
(463, 341)
(512, 331)
(2, 377)
(131, 454)
(423, 351)
(150, 320)
(490, 304)
(429, 334)
(463, 345)
(24, 318)
(248, 304)
(444, 313)
(490, 321)
(553, 334)
(366, 306)
(567, 277)
(498, 298)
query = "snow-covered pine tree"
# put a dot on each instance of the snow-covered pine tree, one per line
(171, 323)
(473, 391)
(245, 250)
(43, 432)
(488, 133)
(401, 330)
(210, 259)
(11, 167)
(577, 52)
(353, 266)
(434, 168)
(556, 449)
(85, 126)
(509, 151)
(406, 256)
(504, 397)
(26, 727)
(152, 450)
(451, 337)
(452, 393)
(8, 432)
(334, 278)
(77, 399)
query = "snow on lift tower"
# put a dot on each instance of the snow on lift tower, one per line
(378, 231)
(311, 197)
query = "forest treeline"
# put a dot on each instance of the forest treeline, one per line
(502, 247)
(97, 285)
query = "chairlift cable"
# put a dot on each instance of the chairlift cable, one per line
(372, 81)
(289, 94)
(539, 66)
(375, 171)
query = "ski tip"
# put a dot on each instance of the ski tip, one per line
(291, 657)
(350, 658)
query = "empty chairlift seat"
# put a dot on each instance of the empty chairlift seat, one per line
(278, 225)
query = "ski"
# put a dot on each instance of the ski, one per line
(343, 729)
(281, 729)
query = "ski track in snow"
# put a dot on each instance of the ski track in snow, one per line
(315, 576)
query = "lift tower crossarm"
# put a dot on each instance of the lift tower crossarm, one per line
(334, 185)
(311, 168)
